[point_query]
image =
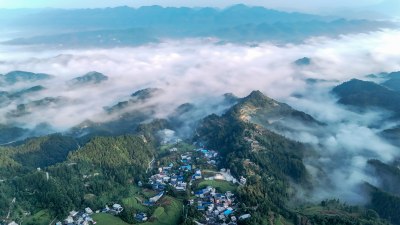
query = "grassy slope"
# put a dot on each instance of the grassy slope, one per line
(167, 214)
(40, 218)
(107, 219)
(133, 203)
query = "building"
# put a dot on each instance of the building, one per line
(244, 216)
(89, 210)
(197, 175)
(117, 208)
(157, 197)
(106, 209)
(186, 168)
(73, 213)
(141, 217)
(242, 180)
(228, 211)
(166, 179)
(69, 220)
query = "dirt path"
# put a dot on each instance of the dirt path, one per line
(150, 166)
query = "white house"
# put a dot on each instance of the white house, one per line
(88, 210)
(244, 216)
(69, 219)
(118, 208)
(157, 197)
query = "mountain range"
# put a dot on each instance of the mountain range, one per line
(124, 26)
(250, 134)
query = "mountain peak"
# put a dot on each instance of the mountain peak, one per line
(92, 77)
(257, 94)
(17, 76)
(257, 98)
(393, 82)
(356, 85)
(305, 61)
(147, 93)
(251, 104)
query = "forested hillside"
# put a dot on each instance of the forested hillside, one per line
(90, 176)
(272, 163)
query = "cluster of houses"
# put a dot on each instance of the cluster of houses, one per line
(166, 176)
(210, 155)
(141, 217)
(84, 217)
(217, 208)
(114, 210)
(78, 218)
(174, 175)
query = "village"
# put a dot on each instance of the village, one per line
(192, 175)
(216, 206)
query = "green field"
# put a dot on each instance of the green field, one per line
(107, 219)
(168, 213)
(279, 220)
(149, 193)
(132, 202)
(41, 218)
(220, 185)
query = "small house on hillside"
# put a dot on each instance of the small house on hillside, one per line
(157, 197)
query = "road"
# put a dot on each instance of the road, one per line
(150, 164)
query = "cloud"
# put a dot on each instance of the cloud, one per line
(193, 69)
(200, 70)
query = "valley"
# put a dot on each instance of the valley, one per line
(236, 169)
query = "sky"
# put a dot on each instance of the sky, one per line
(288, 4)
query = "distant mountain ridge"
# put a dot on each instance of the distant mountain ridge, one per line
(367, 94)
(124, 26)
(14, 77)
(393, 82)
(151, 16)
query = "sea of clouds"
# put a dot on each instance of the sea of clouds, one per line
(202, 70)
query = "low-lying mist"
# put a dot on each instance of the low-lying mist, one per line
(200, 71)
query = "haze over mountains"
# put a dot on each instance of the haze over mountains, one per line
(305, 106)
(124, 26)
